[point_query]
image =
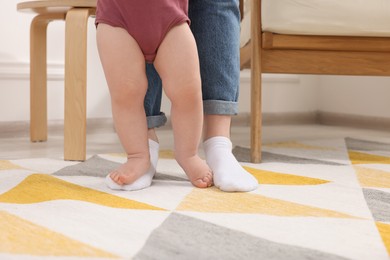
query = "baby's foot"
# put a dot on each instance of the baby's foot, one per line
(197, 171)
(131, 170)
(145, 180)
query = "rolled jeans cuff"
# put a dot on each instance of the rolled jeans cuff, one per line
(220, 107)
(156, 121)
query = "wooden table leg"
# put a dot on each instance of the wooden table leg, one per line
(38, 75)
(75, 83)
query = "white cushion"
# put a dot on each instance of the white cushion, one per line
(246, 24)
(323, 17)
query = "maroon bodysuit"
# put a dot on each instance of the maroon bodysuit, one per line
(147, 21)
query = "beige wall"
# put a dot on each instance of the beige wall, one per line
(364, 96)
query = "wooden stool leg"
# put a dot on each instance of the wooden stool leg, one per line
(38, 76)
(75, 84)
(256, 114)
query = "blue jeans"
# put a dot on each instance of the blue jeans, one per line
(216, 28)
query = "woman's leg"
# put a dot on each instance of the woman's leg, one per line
(177, 64)
(216, 27)
(152, 103)
(124, 68)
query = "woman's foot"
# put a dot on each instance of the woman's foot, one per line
(228, 173)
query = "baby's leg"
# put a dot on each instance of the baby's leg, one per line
(124, 68)
(178, 66)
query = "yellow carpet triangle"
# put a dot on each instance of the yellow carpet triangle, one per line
(297, 145)
(384, 230)
(122, 155)
(166, 154)
(216, 201)
(42, 187)
(7, 165)
(268, 177)
(19, 236)
(365, 158)
(373, 177)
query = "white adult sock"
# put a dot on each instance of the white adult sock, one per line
(228, 174)
(145, 180)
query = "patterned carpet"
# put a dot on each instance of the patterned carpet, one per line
(318, 199)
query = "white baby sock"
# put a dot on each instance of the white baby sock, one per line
(228, 173)
(145, 180)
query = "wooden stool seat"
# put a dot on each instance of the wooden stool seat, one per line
(76, 14)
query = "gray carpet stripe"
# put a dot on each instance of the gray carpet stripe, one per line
(363, 145)
(183, 237)
(93, 167)
(166, 177)
(379, 204)
(99, 167)
(242, 154)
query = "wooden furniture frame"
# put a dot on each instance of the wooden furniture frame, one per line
(298, 54)
(76, 14)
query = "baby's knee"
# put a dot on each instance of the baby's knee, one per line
(186, 89)
(192, 83)
(126, 89)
